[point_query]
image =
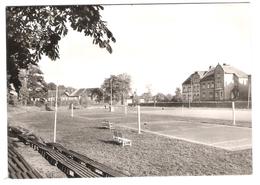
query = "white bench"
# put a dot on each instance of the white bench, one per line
(118, 137)
(107, 124)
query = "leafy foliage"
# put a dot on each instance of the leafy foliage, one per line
(160, 97)
(97, 94)
(34, 31)
(36, 85)
(32, 84)
(51, 86)
(121, 86)
(147, 97)
(23, 91)
(178, 96)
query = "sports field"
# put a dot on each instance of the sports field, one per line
(213, 127)
(168, 145)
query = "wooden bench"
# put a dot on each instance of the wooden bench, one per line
(118, 137)
(94, 166)
(18, 168)
(68, 166)
(71, 163)
(107, 124)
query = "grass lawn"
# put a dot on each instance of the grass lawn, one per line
(149, 155)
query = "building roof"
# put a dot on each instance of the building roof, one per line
(232, 70)
(52, 93)
(209, 74)
(200, 73)
(79, 92)
(187, 81)
(83, 91)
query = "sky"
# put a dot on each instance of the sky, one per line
(159, 46)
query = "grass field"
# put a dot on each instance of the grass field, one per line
(149, 155)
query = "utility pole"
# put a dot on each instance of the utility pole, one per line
(249, 91)
(55, 118)
(111, 96)
(190, 98)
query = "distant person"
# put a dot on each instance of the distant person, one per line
(47, 107)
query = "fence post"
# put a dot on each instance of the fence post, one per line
(233, 113)
(72, 110)
(125, 109)
(139, 119)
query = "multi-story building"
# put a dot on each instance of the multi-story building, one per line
(207, 85)
(191, 87)
(220, 83)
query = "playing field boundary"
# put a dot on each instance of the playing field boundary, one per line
(215, 145)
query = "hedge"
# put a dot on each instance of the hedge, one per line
(225, 104)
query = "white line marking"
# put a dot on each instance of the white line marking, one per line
(230, 141)
(240, 147)
(191, 141)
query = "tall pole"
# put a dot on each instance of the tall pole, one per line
(234, 114)
(72, 110)
(139, 119)
(111, 97)
(55, 118)
(249, 93)
(190, 98)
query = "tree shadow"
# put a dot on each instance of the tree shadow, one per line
(112, 142)
(100, 128)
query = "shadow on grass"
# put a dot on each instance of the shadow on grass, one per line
(100, 128)
(109, 142)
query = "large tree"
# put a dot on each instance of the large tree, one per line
(160, 97)
(36, 85)
(34, 31)
(178, 96)
(51, 86)
(120, 86)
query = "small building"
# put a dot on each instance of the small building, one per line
(85, 96)
(63, 97)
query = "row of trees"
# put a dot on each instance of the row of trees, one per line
(160, 97)
(116, 87)
(120, 87)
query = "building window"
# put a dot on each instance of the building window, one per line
(211, 94)
(216, 94)
(208, 85)
(212, 85)
(221, 94)
(203, 95)
(203, 86)
(218, 84)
